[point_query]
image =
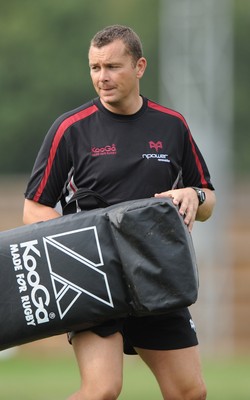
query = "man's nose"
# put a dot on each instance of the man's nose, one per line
(103, 75)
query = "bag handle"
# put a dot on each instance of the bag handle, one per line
(84, 199)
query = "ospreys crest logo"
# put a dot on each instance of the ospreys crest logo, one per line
(155, 145)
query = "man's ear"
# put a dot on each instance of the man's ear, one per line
(140, 67)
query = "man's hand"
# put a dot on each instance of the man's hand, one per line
(187, 201)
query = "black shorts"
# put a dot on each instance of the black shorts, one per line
(171, 331)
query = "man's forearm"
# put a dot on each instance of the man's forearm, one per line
(205, 210)
(35, 212)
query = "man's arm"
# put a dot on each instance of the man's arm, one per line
(36, 212)
(188, 203)
(206, 209)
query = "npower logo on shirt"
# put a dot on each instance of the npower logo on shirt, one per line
(156, 156)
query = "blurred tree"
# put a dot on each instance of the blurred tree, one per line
(242, 88)
(44, 67)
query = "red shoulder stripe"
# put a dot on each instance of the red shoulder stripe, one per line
(197, 161)
(57, 138)
(166, 110)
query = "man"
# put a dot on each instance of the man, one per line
(126, 147)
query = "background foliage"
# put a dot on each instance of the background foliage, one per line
(241, 87)
(45, 377)
(44, 68)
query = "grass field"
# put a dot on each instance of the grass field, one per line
(43, 377)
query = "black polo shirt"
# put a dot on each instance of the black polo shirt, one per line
(122, 157)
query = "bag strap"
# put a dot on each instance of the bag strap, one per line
(84, 199)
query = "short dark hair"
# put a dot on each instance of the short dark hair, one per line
(119, 32)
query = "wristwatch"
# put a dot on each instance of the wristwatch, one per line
(200, 194)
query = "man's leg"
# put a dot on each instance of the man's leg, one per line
(100, 361)
(178, 372)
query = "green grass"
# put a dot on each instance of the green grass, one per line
(33, 377)
(228, 379)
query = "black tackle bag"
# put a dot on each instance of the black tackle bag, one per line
(79, 270)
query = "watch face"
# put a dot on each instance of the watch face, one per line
(201, 196)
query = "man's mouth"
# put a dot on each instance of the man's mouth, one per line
(106, 89)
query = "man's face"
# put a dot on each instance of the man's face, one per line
(114, 75)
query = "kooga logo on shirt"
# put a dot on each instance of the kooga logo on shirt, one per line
(103, 151)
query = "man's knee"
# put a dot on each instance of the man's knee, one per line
(108, 393)
(101, 392)
(198, 392)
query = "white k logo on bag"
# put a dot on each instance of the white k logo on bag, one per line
(93, 282)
